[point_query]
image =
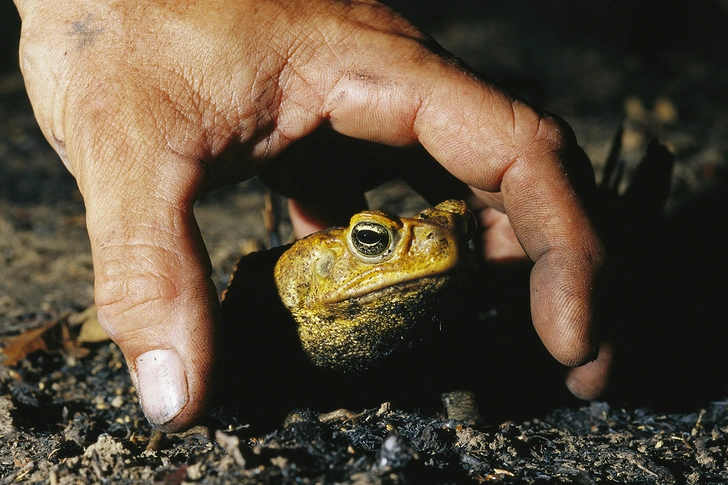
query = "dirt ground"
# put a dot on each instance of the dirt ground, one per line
(71, 415)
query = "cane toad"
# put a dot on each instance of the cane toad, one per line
(360, 292)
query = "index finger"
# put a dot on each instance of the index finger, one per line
(494, 143)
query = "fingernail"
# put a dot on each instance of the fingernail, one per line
(162, 385)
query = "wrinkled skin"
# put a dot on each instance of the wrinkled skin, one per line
(358, 293)
(151, 103)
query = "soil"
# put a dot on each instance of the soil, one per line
(70, 414)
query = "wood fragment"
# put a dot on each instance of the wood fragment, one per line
(155, 441)
(231, 444)
(461, 406)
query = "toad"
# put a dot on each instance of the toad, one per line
(361, 292)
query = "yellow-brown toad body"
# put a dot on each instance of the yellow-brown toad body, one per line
(360, 292)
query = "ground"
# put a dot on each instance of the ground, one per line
(72, 416)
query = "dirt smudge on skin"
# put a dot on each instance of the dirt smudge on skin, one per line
(367, 77)
(86, 31)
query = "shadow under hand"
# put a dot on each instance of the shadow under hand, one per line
(333, 171)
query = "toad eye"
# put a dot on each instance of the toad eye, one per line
(370, 239)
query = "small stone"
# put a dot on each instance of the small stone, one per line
(195, 472)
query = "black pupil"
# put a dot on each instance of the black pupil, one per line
(367, 236)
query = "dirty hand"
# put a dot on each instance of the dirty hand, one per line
(151, 103)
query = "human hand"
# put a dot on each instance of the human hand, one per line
(149, 104)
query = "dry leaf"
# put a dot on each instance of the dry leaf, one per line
(57, 336)
(26, 343)
(91, 331)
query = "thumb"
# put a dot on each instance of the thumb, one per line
(153, 290)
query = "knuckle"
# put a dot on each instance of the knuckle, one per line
(549, 128)
(541, 140)
(542, 129)
(553, 132)
(133, 286)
